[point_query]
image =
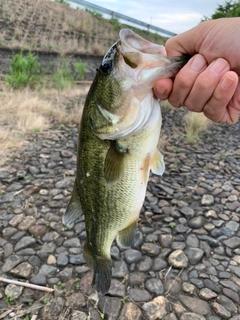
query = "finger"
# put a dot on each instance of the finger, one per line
(205, 85)
(224, 105)
(185, 79)
(162, 88)
(232, 112)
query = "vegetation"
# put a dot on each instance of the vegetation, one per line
(63, 2)
(227, 10)
(9, 299)
(48, 25)
(195, 123)
(79, 69)
(24, 71)
(63, 78)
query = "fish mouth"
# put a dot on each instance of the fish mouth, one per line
(136, 51)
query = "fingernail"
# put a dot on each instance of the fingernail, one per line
(198, 63)
(218, 66)
(227, 82)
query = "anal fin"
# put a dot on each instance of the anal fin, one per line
(157, 164)
(125, 237)
(74, 210)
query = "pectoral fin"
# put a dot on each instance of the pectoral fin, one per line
(114, 164)
(125, 237)
(157, 164)
(74, 210)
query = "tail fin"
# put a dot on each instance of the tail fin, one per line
(102, 271)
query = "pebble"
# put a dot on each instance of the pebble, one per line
(178, 259)
(185, 259)
(13, 291)
(132, 256)
(156, 309)
(195, 305)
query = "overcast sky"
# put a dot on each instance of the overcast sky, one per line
(172, 15)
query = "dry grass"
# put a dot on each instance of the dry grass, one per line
(48, 25)
(27, 111)
(195, 123)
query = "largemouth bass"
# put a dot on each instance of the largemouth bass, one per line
(117, 147)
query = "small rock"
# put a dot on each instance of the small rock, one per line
(139, 295)
(159, 264)
(13, 291)
(195, 305)
(165, 240)
(207, 200)
(62, 259)
(23, 270)
(187, 212)
(47, 270)
(145, 264)
(117, 288)
(25, 242)
(156, 309)
(78, 315)
(110, 307)
(53, 308)
(130, 311)
(73, 242)
(178, 259)
(37, 230)
(51, 260)
(16, 186)
(220, 310)
(63, 184)
(77, 301)
(11, 262)
(211, 285)
(226, 303)
(231, 294)
(207, 294)
(26, 223)
(194, 255)
(196, 222)
(119, 269)
(132, 256)
(154, 286)
(151, 249)
(39, 279)
(188, 288)
(76, 259)
(137, 279)
(172, 286)
(232, 243)
(192, 241)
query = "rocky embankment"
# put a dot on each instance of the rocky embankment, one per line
(185, 260)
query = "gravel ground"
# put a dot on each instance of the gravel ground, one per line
(185, 260)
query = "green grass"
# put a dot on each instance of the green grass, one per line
(24, 71)
(63, 78)
(79, 69)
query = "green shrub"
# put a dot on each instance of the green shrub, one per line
(79, 69)
(63, 78)
(24, 71)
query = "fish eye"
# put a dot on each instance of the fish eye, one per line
(106, 67)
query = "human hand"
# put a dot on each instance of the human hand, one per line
(209, 82)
